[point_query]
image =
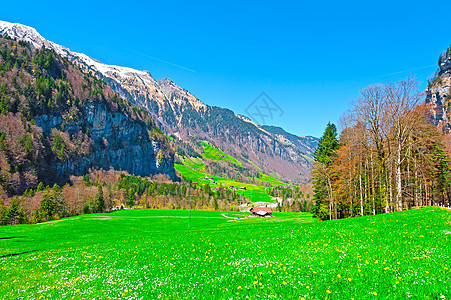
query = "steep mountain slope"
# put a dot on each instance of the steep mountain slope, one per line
(56, 122)
(177, 112)
(438, 93)
(304, 144)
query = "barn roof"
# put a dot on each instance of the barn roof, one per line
(262, 209)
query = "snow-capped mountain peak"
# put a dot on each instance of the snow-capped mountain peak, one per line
(24, 33)
(135, 85)
(123, 72)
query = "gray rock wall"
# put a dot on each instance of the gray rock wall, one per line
(119, 142)
(438, 94)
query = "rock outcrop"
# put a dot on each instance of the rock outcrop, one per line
(118, 142)
(438, 94)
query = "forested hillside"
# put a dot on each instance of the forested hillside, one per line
(57, 121)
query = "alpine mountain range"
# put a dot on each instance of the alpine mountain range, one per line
(179, 114)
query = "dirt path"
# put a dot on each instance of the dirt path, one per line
(151, 217)
(228, 217)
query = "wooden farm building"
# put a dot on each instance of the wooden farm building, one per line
(261, 211)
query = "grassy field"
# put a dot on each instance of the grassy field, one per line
(213, 153)
(195, 163)
(152, 254)
(274, 181)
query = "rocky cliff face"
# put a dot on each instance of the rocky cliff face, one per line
(438, 93)
(118, 142)
(177, 112)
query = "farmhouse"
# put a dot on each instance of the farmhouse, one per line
(261, 211)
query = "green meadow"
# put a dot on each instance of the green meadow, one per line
(213, 153)
(152, 254)
(271, 179)
(254, 193)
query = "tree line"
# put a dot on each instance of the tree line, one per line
(388, 156)
(103, 191)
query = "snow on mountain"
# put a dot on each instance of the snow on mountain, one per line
(123, 72)
(24, 33)
(139, 85)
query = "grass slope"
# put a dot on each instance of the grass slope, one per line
(254, 193)
(152, 254)
(195, 163)
(271, 179)
(213, 153)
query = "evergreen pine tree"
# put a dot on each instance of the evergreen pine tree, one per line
(324, 157)
(99, 203)
(15, 213)
(327, 145)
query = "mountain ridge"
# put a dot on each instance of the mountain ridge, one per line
(178, 112)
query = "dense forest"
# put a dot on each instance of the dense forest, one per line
(388, 156)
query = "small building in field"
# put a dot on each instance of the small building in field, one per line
(261, 211)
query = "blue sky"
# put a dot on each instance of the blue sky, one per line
(312, 58)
